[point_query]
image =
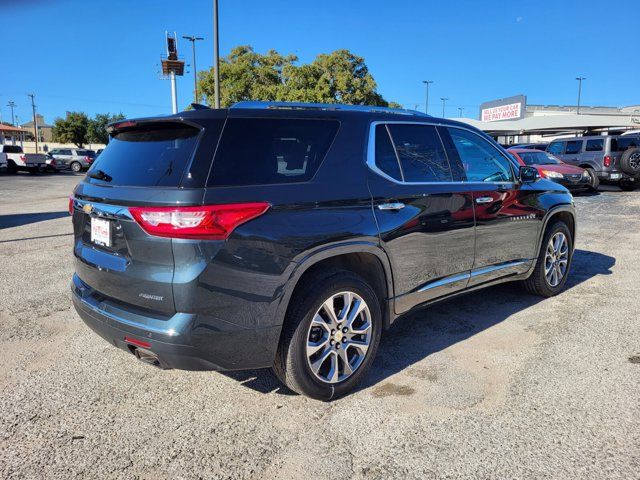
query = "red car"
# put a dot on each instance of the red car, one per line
(574, 178)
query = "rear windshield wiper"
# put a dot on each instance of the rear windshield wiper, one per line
(100, 175)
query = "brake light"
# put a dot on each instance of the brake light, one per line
(207, 222)
(88, 159)
(607, 161)
(71, 205)
(23, 158)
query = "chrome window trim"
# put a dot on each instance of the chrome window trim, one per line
(371, 153)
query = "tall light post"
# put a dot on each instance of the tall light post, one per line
(444, 100)
(580, 79)
(216, 54)
(460, 109)
(11, 105)
(35, 119)
(426, 103)
(193, 40)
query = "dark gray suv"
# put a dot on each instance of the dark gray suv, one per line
(292, 235)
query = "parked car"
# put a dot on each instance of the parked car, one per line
(574, 178)
(53, 166)
(531, 146)
(74, 159)
(291, 235)
(614, 158)
(18, 160)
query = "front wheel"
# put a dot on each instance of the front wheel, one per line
(554, 260)
(76, 167)
(330, 337)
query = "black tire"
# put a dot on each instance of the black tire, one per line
(537, 283)
(628, 186)
(630, 161)
(11, 167)
(76, 167)
(595, 181)
(291, 365)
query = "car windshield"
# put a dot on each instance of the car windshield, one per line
(538, 158)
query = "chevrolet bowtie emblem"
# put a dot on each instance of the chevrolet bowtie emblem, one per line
(87, 208)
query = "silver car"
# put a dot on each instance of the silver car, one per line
(74, 159)
(614, 158)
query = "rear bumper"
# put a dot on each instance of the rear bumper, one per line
(183, 341)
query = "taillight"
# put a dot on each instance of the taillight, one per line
(207, 222)
(607, 161)
(23, 158)
(88, 159)
(71, 205)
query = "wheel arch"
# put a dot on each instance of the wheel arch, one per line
(567, 214)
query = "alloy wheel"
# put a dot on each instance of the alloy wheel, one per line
(634, 161)
(339, 337)
(556, 259)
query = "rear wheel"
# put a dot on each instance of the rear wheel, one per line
(595, 181)
(330, 337)
(554, 260)
(76, 167)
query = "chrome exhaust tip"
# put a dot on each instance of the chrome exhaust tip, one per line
(147, 356)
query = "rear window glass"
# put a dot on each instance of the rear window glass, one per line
(555, 148)
(155, 155)
(86, 153)
(12, 149)
(594, 145)
(623, 143)
(266, 151)
(386, 159)
(574, 146)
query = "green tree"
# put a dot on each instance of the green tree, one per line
(338, 77)
(72, 129)
(97, 128)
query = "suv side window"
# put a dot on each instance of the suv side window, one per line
(594, 145)
(65, 152)
(482, 162)
(386, 159)
(556, 148)
(621, 144)
(574, 146)
(420, 152)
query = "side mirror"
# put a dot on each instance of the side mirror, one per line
(528, 174)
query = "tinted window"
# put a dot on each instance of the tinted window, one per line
(155, 155)
(421, 154)
(538, 158)
(574, 146)
(482, 162)
(621, 144)
(86, 153)
(386, 159)
(12, 149)
(66, 152)
(265, 151)
(555, 148)
(594, 145)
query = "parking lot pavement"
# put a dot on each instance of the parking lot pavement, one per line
(497, 384)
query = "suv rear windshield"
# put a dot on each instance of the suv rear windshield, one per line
(621, 144)
(265, 151)
(152, 155)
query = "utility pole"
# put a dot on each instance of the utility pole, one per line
(35, 120)
(216, 54)
(11, 105)
(580, 79)
(193, 40)
(443, 102)
(460, 109)
(426, 103)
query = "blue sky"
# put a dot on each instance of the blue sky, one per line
(102, 56)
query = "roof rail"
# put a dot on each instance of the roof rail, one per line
(326, 106)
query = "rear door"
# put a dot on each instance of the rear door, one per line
(143, 165)
(424, 212)
(506, 216)
(573, 152)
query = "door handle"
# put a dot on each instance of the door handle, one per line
(482, 200)
(391, 206)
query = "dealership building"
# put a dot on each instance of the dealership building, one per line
(511, 120)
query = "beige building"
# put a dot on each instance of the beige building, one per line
(45, 130)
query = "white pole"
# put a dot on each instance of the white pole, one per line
(174, 93)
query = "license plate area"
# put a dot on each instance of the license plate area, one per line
(101, 232)
(616, 176)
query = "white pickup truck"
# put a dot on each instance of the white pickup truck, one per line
(18, 160)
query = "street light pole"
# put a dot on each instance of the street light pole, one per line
(216, 54)
(426, 103)
(12, 104)
(460, 109)
(580, 79)
(35, 120)
(193, 40)
(443, 102)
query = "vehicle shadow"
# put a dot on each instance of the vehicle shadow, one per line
(19, 219)
(425, 331)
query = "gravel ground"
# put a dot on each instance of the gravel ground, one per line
(497, 384)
